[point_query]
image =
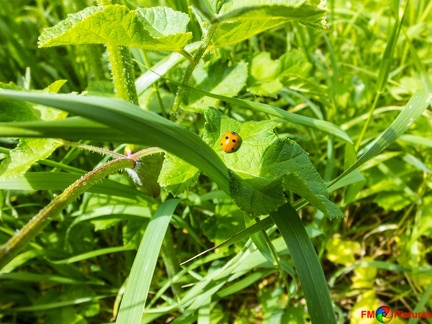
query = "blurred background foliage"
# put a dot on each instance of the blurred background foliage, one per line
(379, 254)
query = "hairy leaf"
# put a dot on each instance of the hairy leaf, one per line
(177, 175)
(157, 28)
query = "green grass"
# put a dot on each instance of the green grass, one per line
(356, 97)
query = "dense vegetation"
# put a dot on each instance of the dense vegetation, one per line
(323, 210)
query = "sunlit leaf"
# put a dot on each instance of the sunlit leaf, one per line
(239, 20)
(157, 28)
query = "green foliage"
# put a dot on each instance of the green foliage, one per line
(219, 78)
(28, 151)
(237, 20)
(333, 122)
(157, 28)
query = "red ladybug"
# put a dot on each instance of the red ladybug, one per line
(230, 142)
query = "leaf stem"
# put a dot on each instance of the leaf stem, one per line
(93, 149)
(187, 55)
(191, 67)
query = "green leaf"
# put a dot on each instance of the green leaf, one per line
(132, 233)
(157, 28)
(218, 78)
(12, 110)
(264, 75)
(30, 150)
(25, 155)
(239, 20)
(177, 175)
(265, 165)
(287, 158)
(291, 70)
(146, 172)
(394, 200)
(126, 123)
(227, 221)
(257, 196)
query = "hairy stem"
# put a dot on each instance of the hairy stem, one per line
(18, 241)
(123, 73)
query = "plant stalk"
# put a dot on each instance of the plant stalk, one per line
(191, 67)
(18, 241)
(123, 73)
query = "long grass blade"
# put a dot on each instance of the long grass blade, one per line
(141, 126)
(321, 125)
(137, 288)
(307, 264)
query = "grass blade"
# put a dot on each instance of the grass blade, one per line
(411, 112)
(307, 264)
(321, 125)
(135, 297)
(141, 126)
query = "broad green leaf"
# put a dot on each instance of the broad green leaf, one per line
(132, 232)
(257, 196)
(286, 158)
(261, 168)
(253, 135)
(394, 200)
(177, 175)
(268, 77)
(265, 165)
(25, 155)
(227, 221)
(157, 28)
(307, 183)
(239, 20)
(264, 75)
(218, 78)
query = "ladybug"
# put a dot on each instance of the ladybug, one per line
(230, 142)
